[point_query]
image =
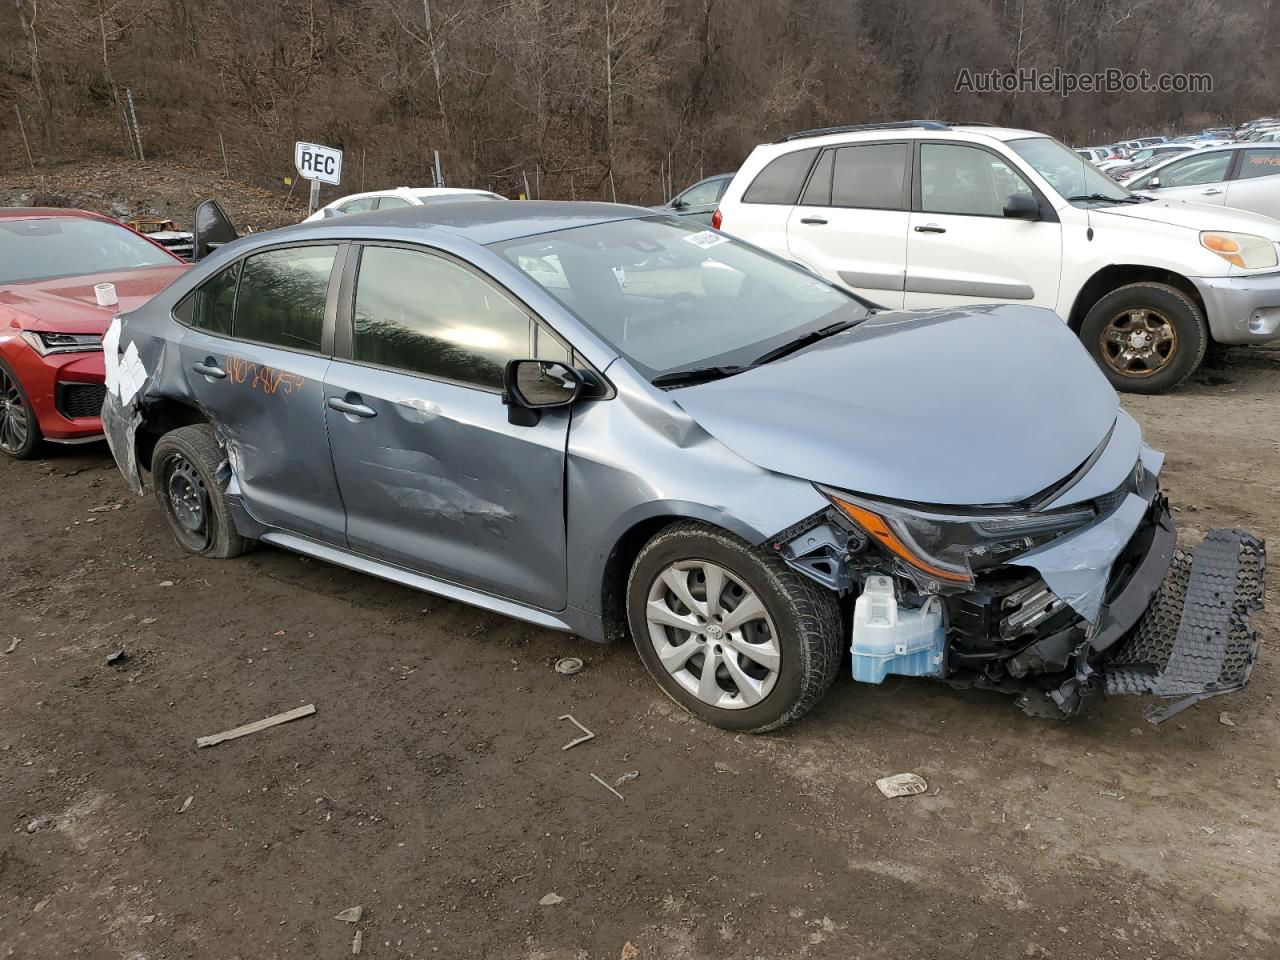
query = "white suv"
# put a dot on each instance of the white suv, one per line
(925, 214)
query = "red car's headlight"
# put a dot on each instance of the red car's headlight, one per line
(47, 343)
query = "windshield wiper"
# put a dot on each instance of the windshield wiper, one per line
(1103, 198)
(801, 342)
(683, 378)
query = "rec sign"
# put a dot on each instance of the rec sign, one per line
(315, 162)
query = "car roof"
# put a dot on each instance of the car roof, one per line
(29, 213)
(483, 222)
(904, 131)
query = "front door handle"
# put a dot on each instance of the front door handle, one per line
(931, 228)
(1211, 193)
(813, 220)
(352, 408)
(209, 368)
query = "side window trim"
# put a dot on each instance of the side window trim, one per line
(345, 311)
(327, 330)
(1047, 213)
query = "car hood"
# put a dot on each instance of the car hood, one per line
(961, 406)
(1195, 216)
(68, 304)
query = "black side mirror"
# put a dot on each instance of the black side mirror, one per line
(678, 204)
(531, 386)
(210, 230)
(1021, 206)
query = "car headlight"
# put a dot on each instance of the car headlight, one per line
(47, 343)
(951, 546)
(1242, 249)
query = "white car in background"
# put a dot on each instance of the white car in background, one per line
(925, 214)
(399, 197)
(1243, 175)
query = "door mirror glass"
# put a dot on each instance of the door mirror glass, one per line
(211, 229)
(541, 384)
(1021, 206)
(1152, 184)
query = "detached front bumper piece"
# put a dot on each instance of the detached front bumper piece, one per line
(1195, 640)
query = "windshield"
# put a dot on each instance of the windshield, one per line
(1080, 183)
(41, 248)
(671, 297)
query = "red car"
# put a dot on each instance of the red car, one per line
(51, 326)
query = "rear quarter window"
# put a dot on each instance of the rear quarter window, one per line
(780, 181)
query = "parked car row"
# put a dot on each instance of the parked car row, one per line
(847, 416)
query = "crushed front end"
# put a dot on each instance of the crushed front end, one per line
(1047, 602)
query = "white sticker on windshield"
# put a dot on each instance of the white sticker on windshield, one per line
(705, 239)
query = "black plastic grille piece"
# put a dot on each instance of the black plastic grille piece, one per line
(1196, 638)
(76, 400)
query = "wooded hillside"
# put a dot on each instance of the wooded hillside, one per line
(573, 93)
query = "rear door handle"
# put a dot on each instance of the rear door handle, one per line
(930, 228)
(209, 368)
(813, 220)
(352, 408)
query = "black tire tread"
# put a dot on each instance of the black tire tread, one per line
(198, 444)
(814, 608)
(1157, 383)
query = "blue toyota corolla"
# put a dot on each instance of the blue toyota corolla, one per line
(616, 423)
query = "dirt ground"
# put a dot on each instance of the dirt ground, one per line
(431, 787)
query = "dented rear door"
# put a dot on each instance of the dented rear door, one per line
(255, 353)
(433, 476)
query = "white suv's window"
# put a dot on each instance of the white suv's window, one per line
(781, 180)
(870, 176)
(966, 180)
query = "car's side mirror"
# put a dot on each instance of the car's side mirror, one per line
(678, 204)
(330, 212)
(1021, 206)
(531, 386)
(1152, 184)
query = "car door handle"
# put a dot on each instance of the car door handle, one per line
(350, 408)
(930, 228)
(209, 368)
(1211, 193)
(814, 221)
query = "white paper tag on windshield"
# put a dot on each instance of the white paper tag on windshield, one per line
(705, 239)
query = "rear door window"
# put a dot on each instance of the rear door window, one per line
(212, 304)
(1259, 163)
(421, 313)
(872, 176)
(282, 296)
(357, 206)
(781, 180)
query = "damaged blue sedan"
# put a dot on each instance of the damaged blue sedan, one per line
(618, 424)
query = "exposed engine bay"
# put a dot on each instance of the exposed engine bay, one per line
(1103, 602)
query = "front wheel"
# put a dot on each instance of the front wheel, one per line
(19, 432)
(729, 631)
(1147, 337)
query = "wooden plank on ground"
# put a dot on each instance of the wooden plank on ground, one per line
(249, 728)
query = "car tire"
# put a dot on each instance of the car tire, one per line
(1146, 337)
(20, 435)
(185, 470)
(768, 669)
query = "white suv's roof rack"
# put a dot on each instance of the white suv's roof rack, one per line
(856, 127)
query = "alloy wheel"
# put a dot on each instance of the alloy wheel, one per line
(14, 426)
(1138, 342)
(713, 634)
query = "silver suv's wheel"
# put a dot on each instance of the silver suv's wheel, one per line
(729, 631)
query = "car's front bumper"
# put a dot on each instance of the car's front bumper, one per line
(1241, 309)
(65, 390)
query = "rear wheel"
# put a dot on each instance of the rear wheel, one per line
(184, 474)
(19, 433)
(729, 631)
(1147, 337)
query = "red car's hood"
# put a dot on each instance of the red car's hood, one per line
(68, 304)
